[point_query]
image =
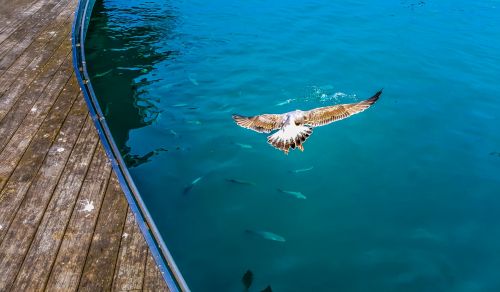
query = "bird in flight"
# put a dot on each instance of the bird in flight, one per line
(295, 127)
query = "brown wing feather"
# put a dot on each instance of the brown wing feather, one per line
(262, 123)
(329, 114)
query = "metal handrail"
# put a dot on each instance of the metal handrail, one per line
(159, 250)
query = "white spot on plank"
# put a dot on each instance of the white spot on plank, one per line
(125, 235)
(1, 227)
(60, 150)
(88, 206)
(34, 109)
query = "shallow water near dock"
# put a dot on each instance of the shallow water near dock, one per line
(402, 197)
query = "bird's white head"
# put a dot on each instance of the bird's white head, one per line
(297, 116)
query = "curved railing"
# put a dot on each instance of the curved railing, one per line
(159, 250)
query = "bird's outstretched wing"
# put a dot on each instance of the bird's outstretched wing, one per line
(329, 114)
(262, 123)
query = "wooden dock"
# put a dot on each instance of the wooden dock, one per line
(65, 223)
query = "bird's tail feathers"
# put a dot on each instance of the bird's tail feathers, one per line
(290, 137)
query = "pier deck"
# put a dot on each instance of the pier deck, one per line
(65, 223)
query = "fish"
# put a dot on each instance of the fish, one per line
(266, 235)
(180, 105)
(174, 133)
(297, 195)
(226, 110)
(284, 102)
(247, 279)
(183, 104)
(301, 170)
(189, 187)
(240, 182)
(267, 289)
(193, 80)
(244, 146)
(103, 73)
(196, 180)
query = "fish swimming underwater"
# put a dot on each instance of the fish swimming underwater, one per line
(247, 279)
(174, 133)
(297, 195)
(193, 80)
(284, 102)
(266, 235)
(295, 127)
(180, 105)
(240, 182)
(103, 73)
(301, 170)
(244, 146)
(189, 187)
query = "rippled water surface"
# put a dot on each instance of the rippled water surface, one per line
(403, 197)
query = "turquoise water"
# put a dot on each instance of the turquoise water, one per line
(402, 197)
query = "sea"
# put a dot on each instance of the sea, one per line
(404, 196)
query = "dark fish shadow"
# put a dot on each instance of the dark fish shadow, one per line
(187, 189)
(247, 280)
(240, 182)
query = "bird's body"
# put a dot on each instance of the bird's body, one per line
(296, 126)
(293, 130)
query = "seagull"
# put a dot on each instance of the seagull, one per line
(296, 126)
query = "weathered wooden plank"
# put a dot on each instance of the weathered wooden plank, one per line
(18, 102)
(35, 269)
(70, 260)
(16, 241)
(54, 33)
(18, 22)
(12, 14)
(24, 34)
(36, 55)
(8, 10)
(32, 158)
(35, 154)
(129, 272)
(153, 280)
(26, 85)
(14, 149)
(97, 274)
